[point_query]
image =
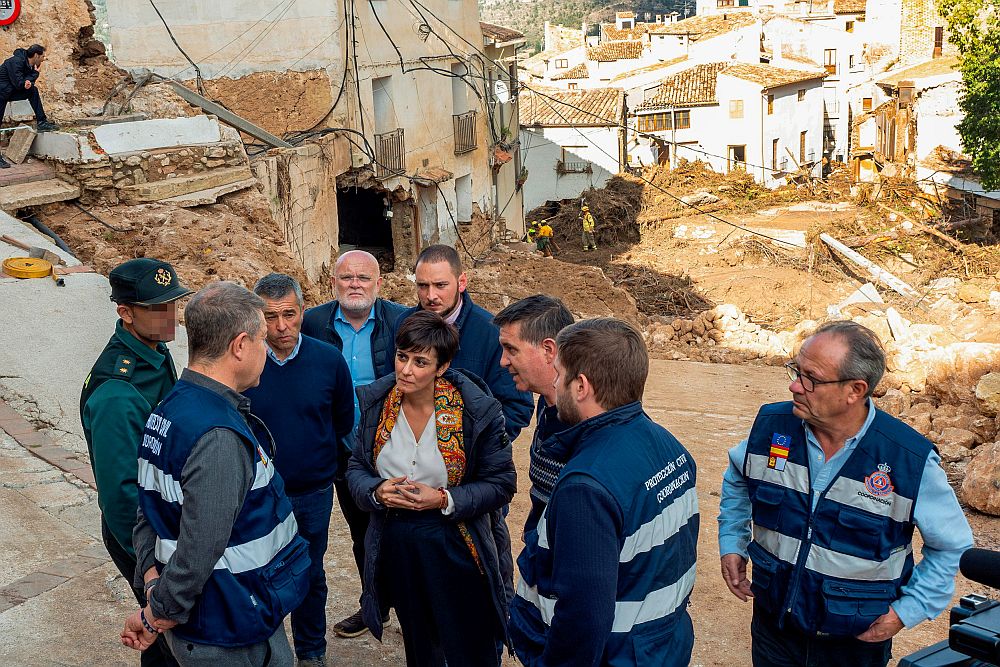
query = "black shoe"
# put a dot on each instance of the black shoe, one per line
(352, 626)
(3, 163)
(47, 126)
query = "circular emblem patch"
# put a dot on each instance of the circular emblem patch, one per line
(162, 277)
(878, 484)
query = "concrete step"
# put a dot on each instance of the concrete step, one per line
(176, 187)
(22, 195)
(27, 172)
(210, 196)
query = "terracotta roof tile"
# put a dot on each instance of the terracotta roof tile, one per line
(600, 107)
(707, 26)
(499, 33)
(849, 6)
(771, 77)
(610, 33)
(624, 15)
(692, 87)
(612, 51)
(578, 72)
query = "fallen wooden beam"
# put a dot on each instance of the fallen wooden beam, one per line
(926, 228)
(876, 272)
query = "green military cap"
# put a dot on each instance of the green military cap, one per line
(145, 282)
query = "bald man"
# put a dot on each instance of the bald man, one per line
(361, 326)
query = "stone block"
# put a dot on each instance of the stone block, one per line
(71, 567)
(14, 197)
(34, 584)
(20, 144)
(174, 187)
(981, 484)
(988, 394)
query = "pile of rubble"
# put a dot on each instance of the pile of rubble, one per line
(943, 387)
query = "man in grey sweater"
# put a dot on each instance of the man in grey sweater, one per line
(217, 544)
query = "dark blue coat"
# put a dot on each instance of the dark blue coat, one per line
(318, 323)
(489, 483)
(479, 352)
(15, 71)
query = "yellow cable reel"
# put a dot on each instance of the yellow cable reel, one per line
(27, 267)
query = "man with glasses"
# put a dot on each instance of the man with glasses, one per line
(832, 488)
(361, 326)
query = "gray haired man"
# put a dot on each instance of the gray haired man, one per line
(306, 399)
(823, 496)
(216, 541)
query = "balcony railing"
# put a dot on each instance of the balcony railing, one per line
(390, 153)
(574, 167)
(465, 132)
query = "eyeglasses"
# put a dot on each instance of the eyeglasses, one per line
(808, 381)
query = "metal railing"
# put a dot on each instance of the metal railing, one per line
(573, 167)
(465, 132)
(390, 153)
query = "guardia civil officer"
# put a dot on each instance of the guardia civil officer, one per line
(132, 374)
(216, 540)
(607, 575)
(833, 488)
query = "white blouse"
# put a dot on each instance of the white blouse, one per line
(417, 459)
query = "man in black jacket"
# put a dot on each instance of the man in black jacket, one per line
(18, 75)
(361, 326)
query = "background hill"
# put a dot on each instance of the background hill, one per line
(529, 16)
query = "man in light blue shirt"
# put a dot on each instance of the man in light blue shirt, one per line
(840, 432)
(361, 326)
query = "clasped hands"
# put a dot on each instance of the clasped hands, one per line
(135, 635)
(404, 494)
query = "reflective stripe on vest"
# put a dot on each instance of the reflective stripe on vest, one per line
(794, 476)
(247, 556)
(650, 534)
(152, 478)
(833, 563)
(854, 493)
(664, 526)
(658, 604)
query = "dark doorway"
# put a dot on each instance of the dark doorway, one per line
(366, 223)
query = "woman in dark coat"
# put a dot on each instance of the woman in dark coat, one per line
(432, 462)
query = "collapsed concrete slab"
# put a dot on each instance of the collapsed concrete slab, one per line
(146, 135)
(175, 187)
(23, 195)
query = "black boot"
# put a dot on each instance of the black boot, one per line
(47, 126)
(3, 163)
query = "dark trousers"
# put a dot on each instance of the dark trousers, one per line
(32, 95)
(312, 513)
(357, 522)
(787, 647)
(441, 598)
(159, 653)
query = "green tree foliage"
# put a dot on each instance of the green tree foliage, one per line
(975, 29)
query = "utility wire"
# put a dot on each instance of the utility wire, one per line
(198, 79)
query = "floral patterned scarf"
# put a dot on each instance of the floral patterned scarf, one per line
(448, 408)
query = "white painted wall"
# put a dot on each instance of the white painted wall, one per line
(937, 118)
(226, 37)
(712, 130)
(541, 149)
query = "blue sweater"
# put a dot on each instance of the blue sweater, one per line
(308, 405)
(479, 353)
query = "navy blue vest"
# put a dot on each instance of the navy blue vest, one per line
(834, 570)
(263, 573)
(652, 478)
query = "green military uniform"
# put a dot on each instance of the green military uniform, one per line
(128, 380)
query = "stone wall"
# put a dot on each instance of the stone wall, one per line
(103, 179)
(301, 188)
